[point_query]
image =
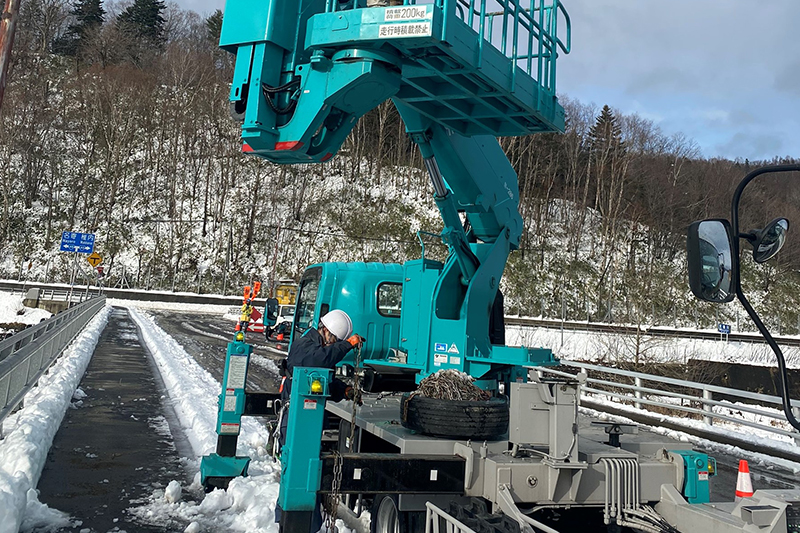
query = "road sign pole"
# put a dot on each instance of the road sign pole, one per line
(72, 278)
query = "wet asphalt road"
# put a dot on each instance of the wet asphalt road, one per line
(115, 447)
(205, 337)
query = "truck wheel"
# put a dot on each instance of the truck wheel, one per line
(455, 419)
(386, 518)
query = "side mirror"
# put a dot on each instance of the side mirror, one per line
(768, 241)
(712, 272)
(271, 312)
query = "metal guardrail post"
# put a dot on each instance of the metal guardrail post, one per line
(638, 394)
(708, 395)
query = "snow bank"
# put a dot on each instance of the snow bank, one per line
(12, 310)
(249, 503)
(174, 306)
(30, 431)
(607, 349)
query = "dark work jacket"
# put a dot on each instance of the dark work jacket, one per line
(308, 351)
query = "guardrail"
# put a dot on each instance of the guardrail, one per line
(81, 294)
(26, 355)
(637, 395)
(135, 294)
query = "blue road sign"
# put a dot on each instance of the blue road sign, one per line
(724, 328)
(77, 242)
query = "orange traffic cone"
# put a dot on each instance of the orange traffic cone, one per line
(744, 486)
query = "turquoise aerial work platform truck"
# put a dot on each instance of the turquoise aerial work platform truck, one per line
(460, 73)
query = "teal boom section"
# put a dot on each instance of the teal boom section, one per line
(306, 70)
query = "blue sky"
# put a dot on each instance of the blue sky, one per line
(726, 73)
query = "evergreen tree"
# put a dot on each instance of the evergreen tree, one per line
(144, 20)
(88, 18)
(606, 133)
(214, 26)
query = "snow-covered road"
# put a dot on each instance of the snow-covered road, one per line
(247, 505)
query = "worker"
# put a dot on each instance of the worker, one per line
(323, 347)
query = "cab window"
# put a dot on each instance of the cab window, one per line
(306, 301)
(390, 297)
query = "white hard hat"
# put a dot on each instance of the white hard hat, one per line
(338, 322)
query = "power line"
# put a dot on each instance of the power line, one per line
(283, 228)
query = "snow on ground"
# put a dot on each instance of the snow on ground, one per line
(604, 348)
(30, 431)
(172, 306)
(249, 503)
(12, 310)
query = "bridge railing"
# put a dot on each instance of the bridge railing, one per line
(26, 355)
(686, 397)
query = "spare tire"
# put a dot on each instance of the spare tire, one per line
(455, 419)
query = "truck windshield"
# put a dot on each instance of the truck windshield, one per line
(306, 301)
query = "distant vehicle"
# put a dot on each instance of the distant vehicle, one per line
(285, 314)
(286, 292)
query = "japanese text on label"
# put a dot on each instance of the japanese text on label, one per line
(414, 29)
(407, 13)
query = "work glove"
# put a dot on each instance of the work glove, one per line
(356, 340)
(351, 394)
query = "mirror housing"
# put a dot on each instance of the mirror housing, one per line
(271, 312)
(713, 271)
(768, 242)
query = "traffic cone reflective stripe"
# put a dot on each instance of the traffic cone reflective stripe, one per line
(744, 486)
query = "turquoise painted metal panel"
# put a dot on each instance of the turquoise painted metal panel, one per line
(523, 356)
(698, 468)
(230, 408)
(216, 466)
(419, 26)
(300, 463)
(421, 277)
(232, 398)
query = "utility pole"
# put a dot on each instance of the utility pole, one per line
(8, 25)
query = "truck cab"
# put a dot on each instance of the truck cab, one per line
(371, 293)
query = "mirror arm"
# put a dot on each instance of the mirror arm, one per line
(787, 403)
(749, 237)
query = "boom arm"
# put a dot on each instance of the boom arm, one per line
(455, 92)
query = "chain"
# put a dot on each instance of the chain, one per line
(334, 496)
(356, 398)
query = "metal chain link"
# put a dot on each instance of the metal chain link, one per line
(356, 398)
(335, 495)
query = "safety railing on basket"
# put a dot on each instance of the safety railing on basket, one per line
(706, 402)
(25, 356)
(528, 32)
(525, 31)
